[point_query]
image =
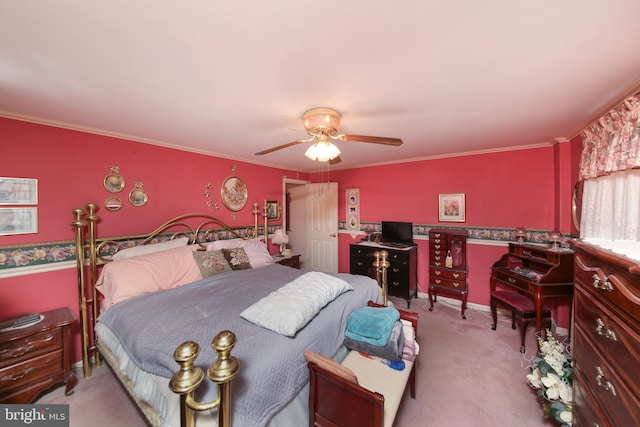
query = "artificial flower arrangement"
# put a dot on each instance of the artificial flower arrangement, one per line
(552, 376)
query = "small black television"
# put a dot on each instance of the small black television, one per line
(397, 232)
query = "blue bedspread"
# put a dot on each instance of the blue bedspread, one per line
(273, 368)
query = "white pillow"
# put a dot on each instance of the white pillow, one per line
(291, 307)
(255, 249)
(149, 249)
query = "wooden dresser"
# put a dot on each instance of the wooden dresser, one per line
(448, 265)
(606, 343)
(35, 358)
(402, 274)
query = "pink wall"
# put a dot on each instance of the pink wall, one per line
(70, 167)
(503, 190)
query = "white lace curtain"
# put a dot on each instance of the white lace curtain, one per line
(609, 166)
(611, 207)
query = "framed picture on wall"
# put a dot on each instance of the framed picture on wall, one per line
(18, 191)
(272, 209)
(18, 221)
(451, 207)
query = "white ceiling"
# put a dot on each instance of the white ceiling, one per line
(234, 77)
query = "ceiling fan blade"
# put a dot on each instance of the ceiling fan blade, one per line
(280, 147)
(372, 139)
(335, 161)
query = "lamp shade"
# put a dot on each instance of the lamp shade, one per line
(322, 151)
(280, 237)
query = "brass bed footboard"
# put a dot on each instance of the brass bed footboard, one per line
(188, 378)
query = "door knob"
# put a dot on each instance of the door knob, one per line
(333, 235)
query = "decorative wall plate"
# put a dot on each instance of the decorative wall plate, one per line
(137, 196)
(113, 204)
(114, 182)
(234, 193)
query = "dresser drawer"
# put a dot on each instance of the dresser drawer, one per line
(611, 335)
(511, 280)
(615, 286)
(617, 401)
(457, 285)
(588, 416)
(445, 273)
(25, 348)
(30, 371)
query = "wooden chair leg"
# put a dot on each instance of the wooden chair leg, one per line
(523, 333)
(513, 319)
(494, 314)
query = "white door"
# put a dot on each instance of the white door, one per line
(322, 227)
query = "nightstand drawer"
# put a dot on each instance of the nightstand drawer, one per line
(458, 285)
(30, 371)
(31, 346)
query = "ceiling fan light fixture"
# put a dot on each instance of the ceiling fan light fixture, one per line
(322, 151)
(322, 120)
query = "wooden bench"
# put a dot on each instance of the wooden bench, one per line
(523, 311)
(360, 391)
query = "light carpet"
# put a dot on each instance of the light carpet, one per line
(467, 375)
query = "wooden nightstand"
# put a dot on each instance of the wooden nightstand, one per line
(35, 358)
(292, 261)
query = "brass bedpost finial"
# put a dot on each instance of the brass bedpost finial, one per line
(222, 371)
(187, 380)
(189, 377)
(381, 264)
(226, 367)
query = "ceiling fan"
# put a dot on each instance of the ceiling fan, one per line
(322, 125)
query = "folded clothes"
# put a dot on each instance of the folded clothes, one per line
(372, 324)
(391, 351)
(409, 350)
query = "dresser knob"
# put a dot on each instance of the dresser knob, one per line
(438, 272)
(18, 353)
(17, 377)
(602, 330)
(456, 275)
(511, 280)
(603, 382)
(603, 284)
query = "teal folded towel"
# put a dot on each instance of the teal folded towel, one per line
(372, 324)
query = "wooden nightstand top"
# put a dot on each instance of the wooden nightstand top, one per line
(52, 319)
(292, 260)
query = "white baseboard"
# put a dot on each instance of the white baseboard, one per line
(452, 302)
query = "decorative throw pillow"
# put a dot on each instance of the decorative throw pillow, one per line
(211, 262)
(237, 258)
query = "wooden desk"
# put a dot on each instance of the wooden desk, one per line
(535, 270)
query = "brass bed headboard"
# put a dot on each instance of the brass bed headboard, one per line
(91, 252)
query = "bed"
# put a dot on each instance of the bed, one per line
(264, 313)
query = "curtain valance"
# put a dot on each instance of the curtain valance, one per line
(612, 143)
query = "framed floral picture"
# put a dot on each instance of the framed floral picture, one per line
(18, 221)
(272, 209)
(234, 193)
(451, 207)
(18, 191)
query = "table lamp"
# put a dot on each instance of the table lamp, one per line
(280, 238)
